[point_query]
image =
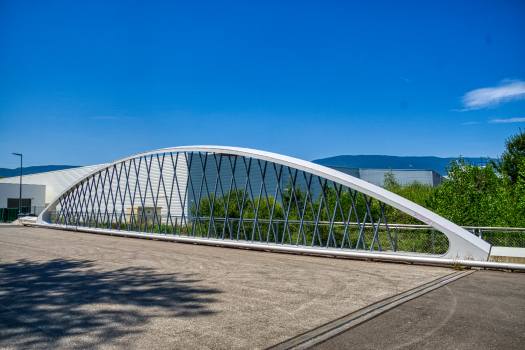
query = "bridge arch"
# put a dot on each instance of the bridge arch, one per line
(228, 194)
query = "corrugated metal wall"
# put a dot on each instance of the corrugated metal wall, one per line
(376, 176)
(238, 168)
(55, 181)
(163, 181)
(136, 183)
(350, 171)
(403, 176)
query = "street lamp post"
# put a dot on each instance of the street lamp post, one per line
(20, 200)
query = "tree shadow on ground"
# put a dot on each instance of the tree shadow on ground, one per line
(47, 303)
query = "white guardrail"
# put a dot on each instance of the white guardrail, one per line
(306, 250)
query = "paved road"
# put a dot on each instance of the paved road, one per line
(65, 290)
(484, 310)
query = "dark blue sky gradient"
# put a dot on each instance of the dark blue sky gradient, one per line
(84, 83)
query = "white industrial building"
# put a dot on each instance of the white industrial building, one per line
(403, 176)
(32, 195)
(142, 197)
(54, 183)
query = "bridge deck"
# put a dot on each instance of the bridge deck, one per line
(69, 289)
(484, 310)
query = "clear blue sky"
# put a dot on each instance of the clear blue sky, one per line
(88, 82)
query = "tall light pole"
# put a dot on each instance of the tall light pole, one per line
(20, 200)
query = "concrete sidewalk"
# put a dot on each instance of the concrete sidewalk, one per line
(484, 310)
(64, 289)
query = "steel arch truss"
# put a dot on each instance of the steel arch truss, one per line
(229, 195)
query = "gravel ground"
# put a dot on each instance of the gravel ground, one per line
(65, 290)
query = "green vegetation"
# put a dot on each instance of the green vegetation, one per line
(477, 196)
(512, 159)
(458, 266)
(296, 202)
(493, 195)
(416, 192)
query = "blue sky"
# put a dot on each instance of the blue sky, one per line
(85, 83)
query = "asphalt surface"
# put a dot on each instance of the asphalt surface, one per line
(484, 310)
(71, 290)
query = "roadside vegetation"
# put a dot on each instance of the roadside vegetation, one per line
(473, 195)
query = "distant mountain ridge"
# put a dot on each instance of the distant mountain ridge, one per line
(34, 170)
(390, 162)
(349, 161)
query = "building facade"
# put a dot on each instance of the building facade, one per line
(32, 195)
(403, 176)
(54, 181)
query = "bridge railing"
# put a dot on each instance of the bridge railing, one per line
(405, 237)
(500, 236)
(496, 236)
(350, 235)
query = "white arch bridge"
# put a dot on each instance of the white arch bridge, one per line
(247, 198)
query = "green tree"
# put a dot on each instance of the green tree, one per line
(471, 196)
(508, 163)
(390, 180)
(415, 191)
